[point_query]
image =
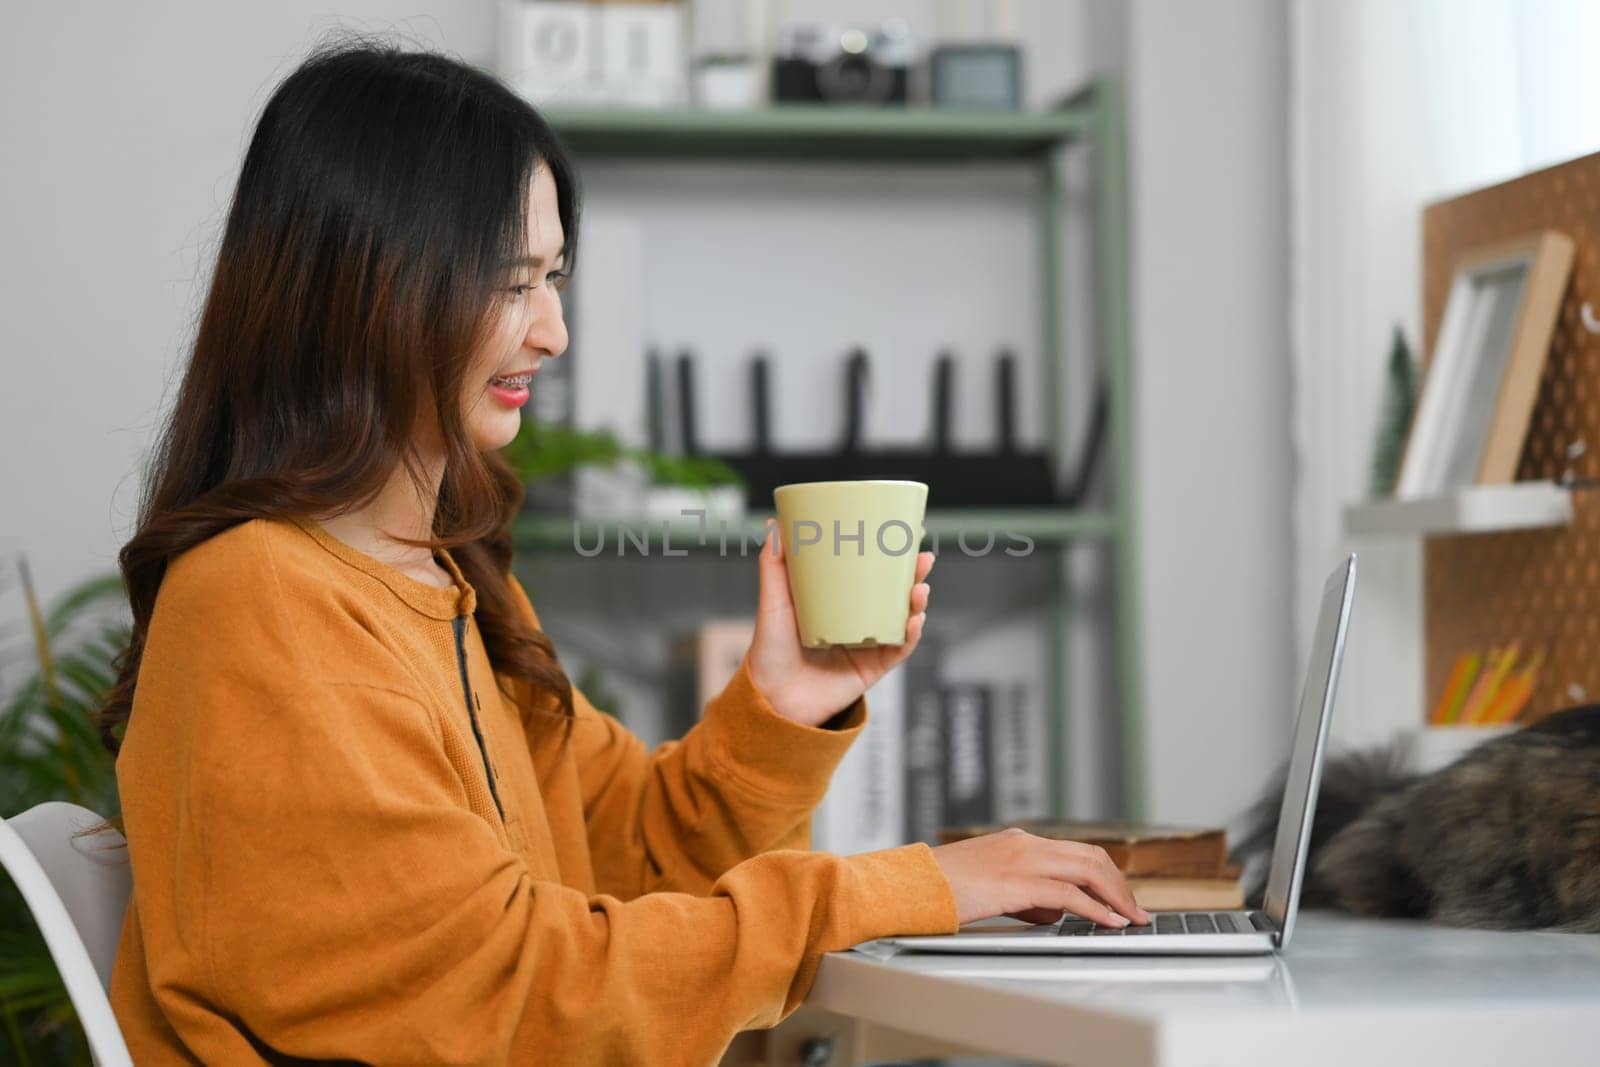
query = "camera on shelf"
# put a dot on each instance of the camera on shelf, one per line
(850, 66)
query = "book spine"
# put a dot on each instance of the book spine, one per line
(883, 816)
(864, 808)
(1020, 743)
(924, 747)
(968, 781)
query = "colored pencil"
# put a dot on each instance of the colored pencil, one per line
(1489, 684)
(1486, 667)
(1511, 699)
(1514, 695)
(1455, 688)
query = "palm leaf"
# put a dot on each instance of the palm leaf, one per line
(19, 1048)
(50, 750)
(77, 601)
(41, 636)
(90, 682)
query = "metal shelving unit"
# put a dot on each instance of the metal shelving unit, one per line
(816, 131)
(929, 137)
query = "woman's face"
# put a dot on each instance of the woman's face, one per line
(529, 328)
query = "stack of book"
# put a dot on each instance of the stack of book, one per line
(1169, 868)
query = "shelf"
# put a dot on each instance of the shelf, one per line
(816, 131)
(920, 136)
(1478, 509)
(538, 533)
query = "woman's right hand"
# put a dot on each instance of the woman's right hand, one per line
(1035, 879)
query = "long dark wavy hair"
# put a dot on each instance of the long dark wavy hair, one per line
(382, 194)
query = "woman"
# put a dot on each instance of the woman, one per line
(368, 816)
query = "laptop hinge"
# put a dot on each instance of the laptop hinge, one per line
(1263, 922)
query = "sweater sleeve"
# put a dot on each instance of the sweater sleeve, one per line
(743, 781)
(346, 905)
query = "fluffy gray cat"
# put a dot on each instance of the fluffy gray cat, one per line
(1505, 838)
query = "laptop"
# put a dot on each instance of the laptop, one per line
(1208, 933)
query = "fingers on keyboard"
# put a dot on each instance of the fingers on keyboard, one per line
(1164, 923)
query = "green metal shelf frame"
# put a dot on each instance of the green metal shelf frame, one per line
(542, 533)
(924, 135)
(812, 132)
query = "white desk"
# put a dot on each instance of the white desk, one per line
(1347, 991)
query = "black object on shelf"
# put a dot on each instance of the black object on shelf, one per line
(1030, 472)
(655, 420)
(1003, 477)
(861, 65)
(762, 469)
(686, 416)
(1094, 445)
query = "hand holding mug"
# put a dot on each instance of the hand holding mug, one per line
(811, 685)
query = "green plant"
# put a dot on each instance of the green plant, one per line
(542, 451)
(50, 750)
(1394, 422)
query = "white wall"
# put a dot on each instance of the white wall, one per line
(1209, 260)
(121, 136)
(1360, 169)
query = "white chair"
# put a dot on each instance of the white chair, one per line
(77, 889)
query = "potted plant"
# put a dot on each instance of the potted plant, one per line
(651, 484)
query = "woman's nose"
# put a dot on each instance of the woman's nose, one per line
(547, 332)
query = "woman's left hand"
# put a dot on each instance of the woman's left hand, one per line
(811, 685)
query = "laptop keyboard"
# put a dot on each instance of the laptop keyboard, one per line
(1166, 922)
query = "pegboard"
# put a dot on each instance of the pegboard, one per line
(1538, 587)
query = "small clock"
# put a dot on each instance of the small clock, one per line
(977, 76)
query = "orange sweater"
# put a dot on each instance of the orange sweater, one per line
(328, 865)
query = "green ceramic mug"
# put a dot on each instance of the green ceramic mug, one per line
(851, 549)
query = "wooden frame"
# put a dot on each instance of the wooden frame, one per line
(1481, 384)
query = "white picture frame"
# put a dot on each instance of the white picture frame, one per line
(1489, 355)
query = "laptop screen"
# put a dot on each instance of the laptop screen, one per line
(1305, 757)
